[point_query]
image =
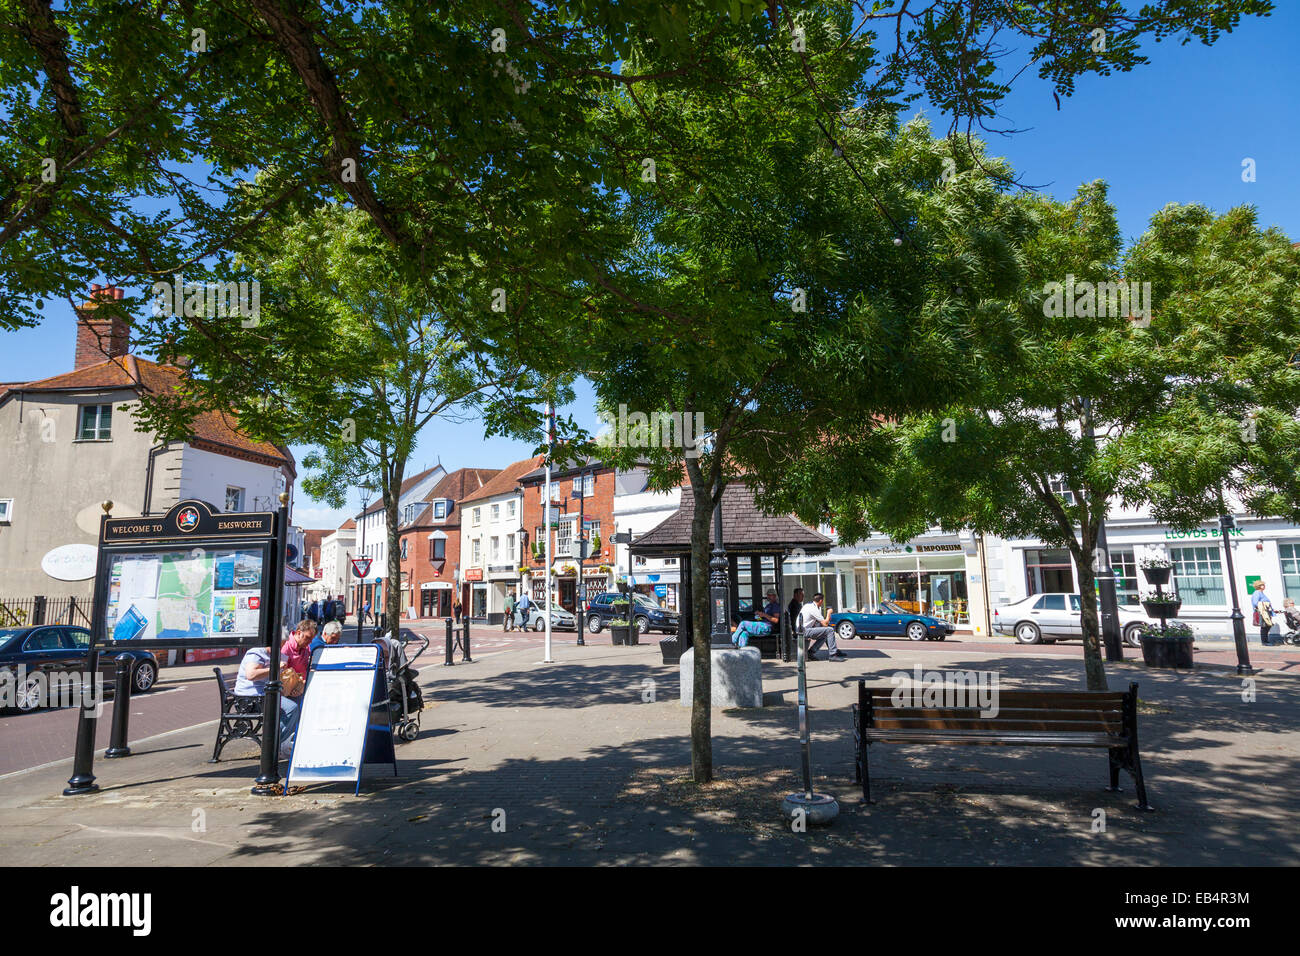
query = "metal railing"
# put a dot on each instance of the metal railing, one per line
(42, 609)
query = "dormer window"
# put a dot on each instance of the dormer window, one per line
(441, 506)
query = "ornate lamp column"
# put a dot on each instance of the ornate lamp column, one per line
(719, 589)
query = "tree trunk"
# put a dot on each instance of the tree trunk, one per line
(1093, 665)
(702, 699)
(393, 572)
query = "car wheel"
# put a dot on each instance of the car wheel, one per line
(594, 624)
(916, 631)
(31, 694)
(845, 630)
(539, 624)
(1131, 636)
(1027, 632)
(642, 625)
(142, 680)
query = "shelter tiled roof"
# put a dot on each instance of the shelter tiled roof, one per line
(744, 528)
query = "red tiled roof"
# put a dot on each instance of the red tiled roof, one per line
(507, 479)
(212, 431)
(462, 482)
(349, 525)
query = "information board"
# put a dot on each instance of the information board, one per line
(331, 742)
(175, 595)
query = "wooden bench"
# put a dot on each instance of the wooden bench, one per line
(1100, 719)
(241, 717)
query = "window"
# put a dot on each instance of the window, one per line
(1051, 602)
(234, 498)
(495, 550)
(496, 512)
(510, 546)
(1048, 570)
(1198, 576)
(404, 540)
(1290, 555)
(564, 538)
(1126, 577)
(96, 423)
(440, 508)
(477, 552)
(6, 509)
(584, 486)
(510, 508)
(477, 516)
(1059, 487)
(437, 549)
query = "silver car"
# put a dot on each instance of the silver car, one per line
(1057, 617)
(561, 620)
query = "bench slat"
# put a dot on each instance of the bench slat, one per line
(998, 726)
(1030, 698)
(1020, 738)
(1008, 713)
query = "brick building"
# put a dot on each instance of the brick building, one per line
(493, 539)
(430, 543)
(580, 492)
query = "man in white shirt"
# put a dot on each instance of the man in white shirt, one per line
(817, 627)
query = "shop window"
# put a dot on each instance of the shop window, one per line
(1048, 570)
(1126, 576)
(1198, 575)
(1290, 554)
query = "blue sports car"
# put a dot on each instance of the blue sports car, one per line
(890, 620)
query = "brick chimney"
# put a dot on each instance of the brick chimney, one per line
(99, 339)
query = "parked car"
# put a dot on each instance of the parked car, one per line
(32, 656)
(1058, 617)
(561, 620)
(649, 615)
(890, 620)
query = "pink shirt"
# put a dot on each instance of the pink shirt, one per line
(296, 657)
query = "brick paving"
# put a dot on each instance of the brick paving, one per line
(582, 761)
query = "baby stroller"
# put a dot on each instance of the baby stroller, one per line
(405, 701)
(1292, 617)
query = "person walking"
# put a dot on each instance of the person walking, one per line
(1263, 606)
(521, 608)
(508, 620)
(817, 627)
(455, 609)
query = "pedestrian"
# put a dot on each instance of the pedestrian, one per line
(795, 607)
(763, 623)
(1263, 619)
(455, 609)
(508, 621)
(817, 627)
(521, 608)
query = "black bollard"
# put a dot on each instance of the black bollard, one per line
(83, 763)
(465, 658)
(449, 662)
(121, 708)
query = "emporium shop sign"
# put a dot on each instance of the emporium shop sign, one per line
(1199, 533)
(914, 549)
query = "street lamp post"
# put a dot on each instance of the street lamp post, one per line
(1226, 523)
(581, 587)
(361, 588)
(1105, 574)
(719, 591)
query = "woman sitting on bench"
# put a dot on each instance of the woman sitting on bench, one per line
(762, 624)
(254, 672)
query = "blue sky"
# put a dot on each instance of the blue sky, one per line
(1174, 131)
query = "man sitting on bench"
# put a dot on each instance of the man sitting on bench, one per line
(763, 623)
(817, 628)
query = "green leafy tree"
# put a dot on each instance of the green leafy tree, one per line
(778, 289)
(353, 359)
(1089, 405)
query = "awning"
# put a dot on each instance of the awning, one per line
(293, 576)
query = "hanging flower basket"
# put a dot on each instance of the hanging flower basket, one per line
(1157, 605)
(1157, 568)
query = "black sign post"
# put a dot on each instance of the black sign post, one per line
(222, 571)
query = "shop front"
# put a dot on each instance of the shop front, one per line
(435, 599)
